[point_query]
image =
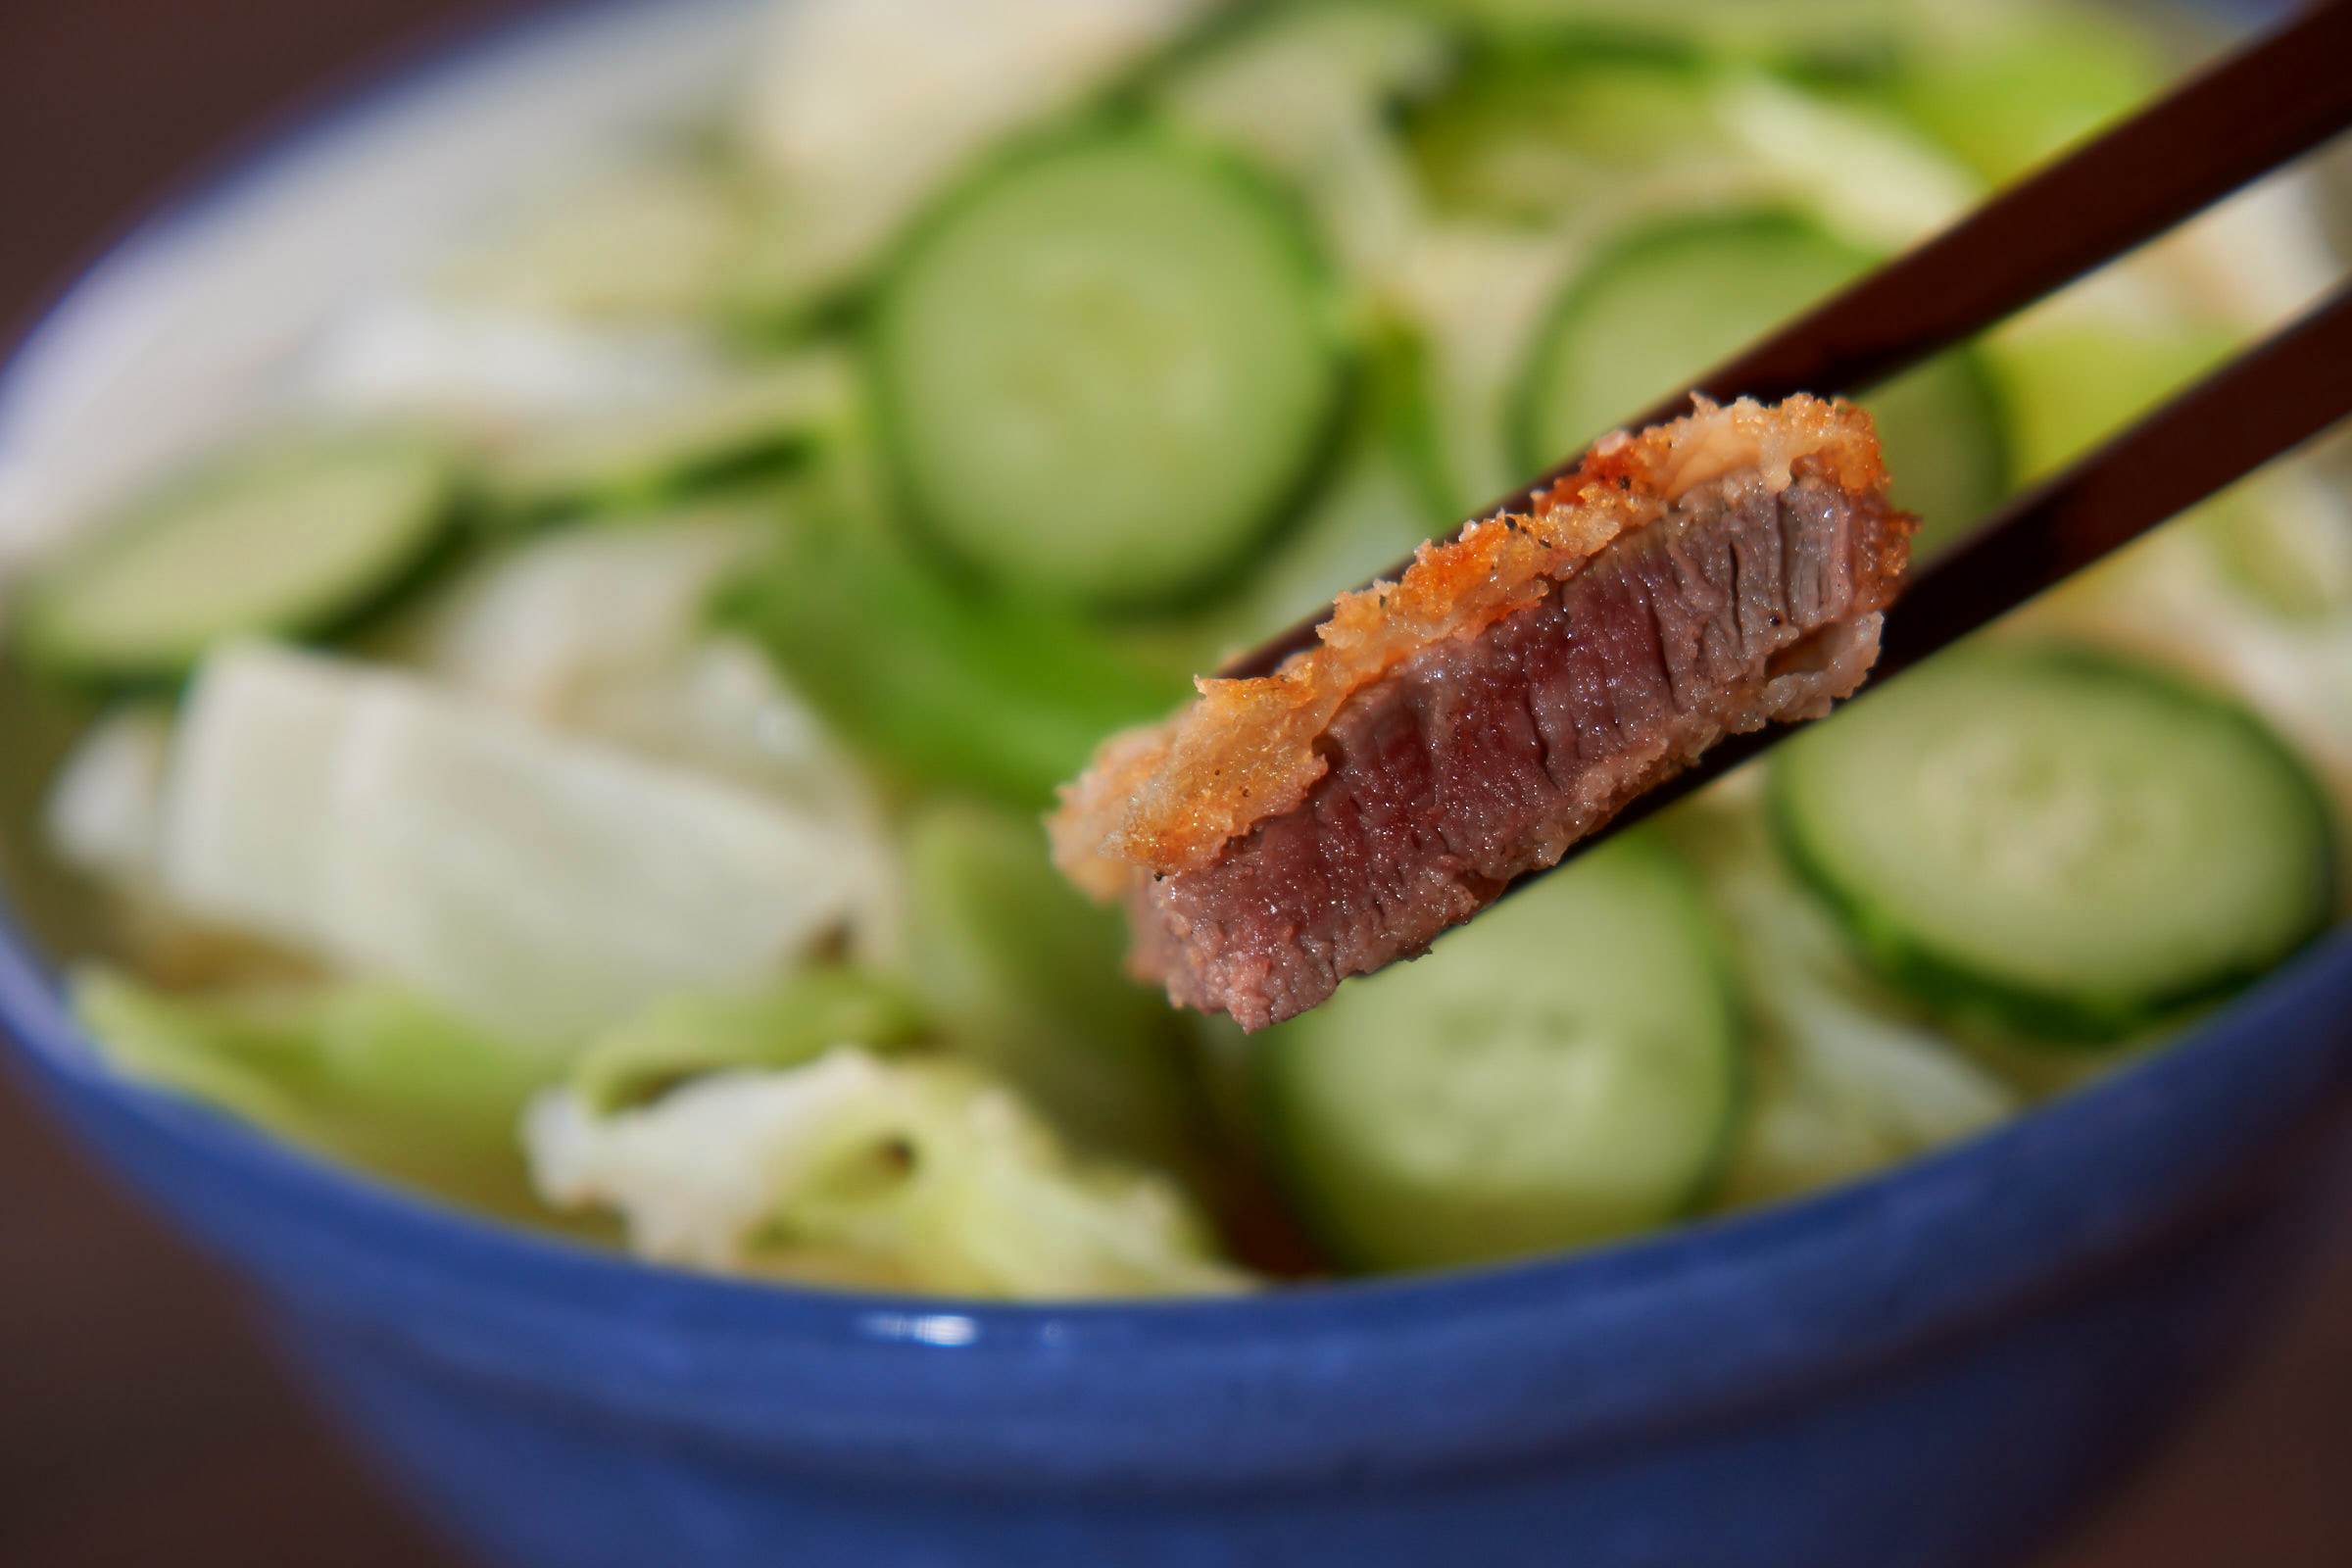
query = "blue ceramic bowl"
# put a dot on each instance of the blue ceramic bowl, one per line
(1927, 1369)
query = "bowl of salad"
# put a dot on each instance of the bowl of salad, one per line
(542, 619)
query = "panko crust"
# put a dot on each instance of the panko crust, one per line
(1168, 798)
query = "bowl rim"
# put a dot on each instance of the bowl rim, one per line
(35, 1020)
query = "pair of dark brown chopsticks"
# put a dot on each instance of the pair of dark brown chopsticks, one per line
(2264, 107)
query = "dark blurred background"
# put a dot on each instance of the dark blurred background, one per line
(141, 1422)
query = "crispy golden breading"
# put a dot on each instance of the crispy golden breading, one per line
(1166, 799)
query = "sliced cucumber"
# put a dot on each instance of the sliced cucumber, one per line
(287, 538)
(2069, 845)
(746, 422)
(1103, 372)
(1668, 303)
(1563, 1070)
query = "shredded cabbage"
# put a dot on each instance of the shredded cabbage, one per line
(1845, 1083)
(917, 1175)
(364, 1072)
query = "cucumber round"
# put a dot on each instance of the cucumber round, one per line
(1668, 303)
(285, 539)
(1104, 371)
(1564, 1070)
(2068, 844)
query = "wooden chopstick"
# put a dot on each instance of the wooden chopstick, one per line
(2265, 106)
(2262, 404)
(2259, 406)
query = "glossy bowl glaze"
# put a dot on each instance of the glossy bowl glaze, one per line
(1930, 1368)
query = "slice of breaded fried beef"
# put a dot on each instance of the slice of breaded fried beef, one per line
(1508, 694)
